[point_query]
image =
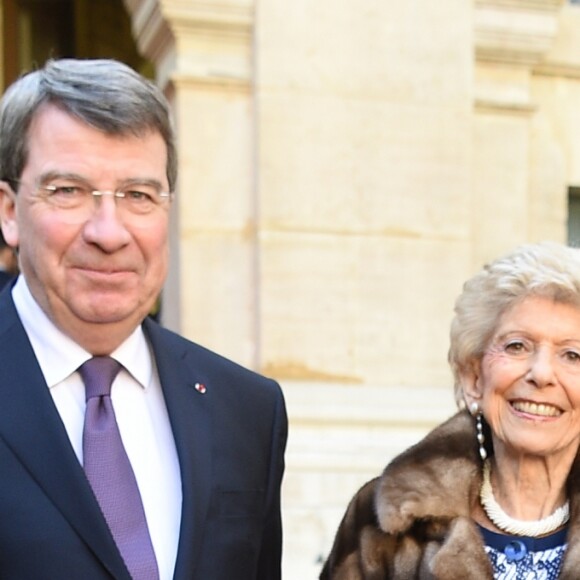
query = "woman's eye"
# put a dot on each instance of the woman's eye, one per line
(515, 347)
(572, 356)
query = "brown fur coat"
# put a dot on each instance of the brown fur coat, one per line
(413, 522)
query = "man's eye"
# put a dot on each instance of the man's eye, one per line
(135, 194)
(139, 195)
(65, 190)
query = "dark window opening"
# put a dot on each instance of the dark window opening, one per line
(36, 30)
(574, 216)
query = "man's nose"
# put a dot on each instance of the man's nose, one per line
(105, 227)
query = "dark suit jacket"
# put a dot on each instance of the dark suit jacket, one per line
(230, 443)
(5, 278)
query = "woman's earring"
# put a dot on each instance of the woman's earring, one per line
(476, 412)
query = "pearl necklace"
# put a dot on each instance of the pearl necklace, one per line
(507, 524)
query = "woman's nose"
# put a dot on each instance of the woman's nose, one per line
(541, 371)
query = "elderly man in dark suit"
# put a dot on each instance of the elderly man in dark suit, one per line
(126, 451)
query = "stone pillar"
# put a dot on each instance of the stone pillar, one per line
(364, 173)
(555, 162)
(203, 57)
(512, 38)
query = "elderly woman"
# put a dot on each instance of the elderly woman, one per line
(494, 492)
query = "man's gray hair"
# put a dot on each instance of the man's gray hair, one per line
(105, 94)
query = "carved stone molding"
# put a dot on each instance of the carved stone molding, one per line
(208, 41)
(515, 31)
(512, 39)
(150, 28)
(564, 58)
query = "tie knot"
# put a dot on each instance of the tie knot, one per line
(98, 374)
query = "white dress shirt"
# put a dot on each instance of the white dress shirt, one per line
(139, 408)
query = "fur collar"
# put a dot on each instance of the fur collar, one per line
(414, 521)
(438, 478)
(436, 482)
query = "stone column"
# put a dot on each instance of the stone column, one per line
(203, 57)
(365, 135)
(555, 162)
(512, 38)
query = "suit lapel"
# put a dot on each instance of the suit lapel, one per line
(189, 410)
(31, 427)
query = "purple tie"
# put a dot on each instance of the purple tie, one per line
(109, 471)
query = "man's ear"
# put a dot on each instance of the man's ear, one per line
(8, 221)
(471, 385)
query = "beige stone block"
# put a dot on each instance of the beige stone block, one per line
(503, 85)
(340, 437)
(207, 39)
(211, 288)
(515, 31)
(308, 306)
(366, 406)
(355, 166)
(549, 175)
(218, 294)
(215, 152)
(358, 308)
(309, 529)
(212, 51)
(407, 289)
(565, 50)
(500, 184)
(306, 543)
(412, 50)
(559, 98)
(358, 429)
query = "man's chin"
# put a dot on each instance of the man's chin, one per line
(111, 311)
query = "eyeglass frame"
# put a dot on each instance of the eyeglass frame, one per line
(95, 193)
(102, 192)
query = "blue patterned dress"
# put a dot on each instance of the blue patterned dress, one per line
(523, 558)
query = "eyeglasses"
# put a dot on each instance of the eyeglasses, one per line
(76, 201)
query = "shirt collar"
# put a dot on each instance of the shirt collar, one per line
(59, 356)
